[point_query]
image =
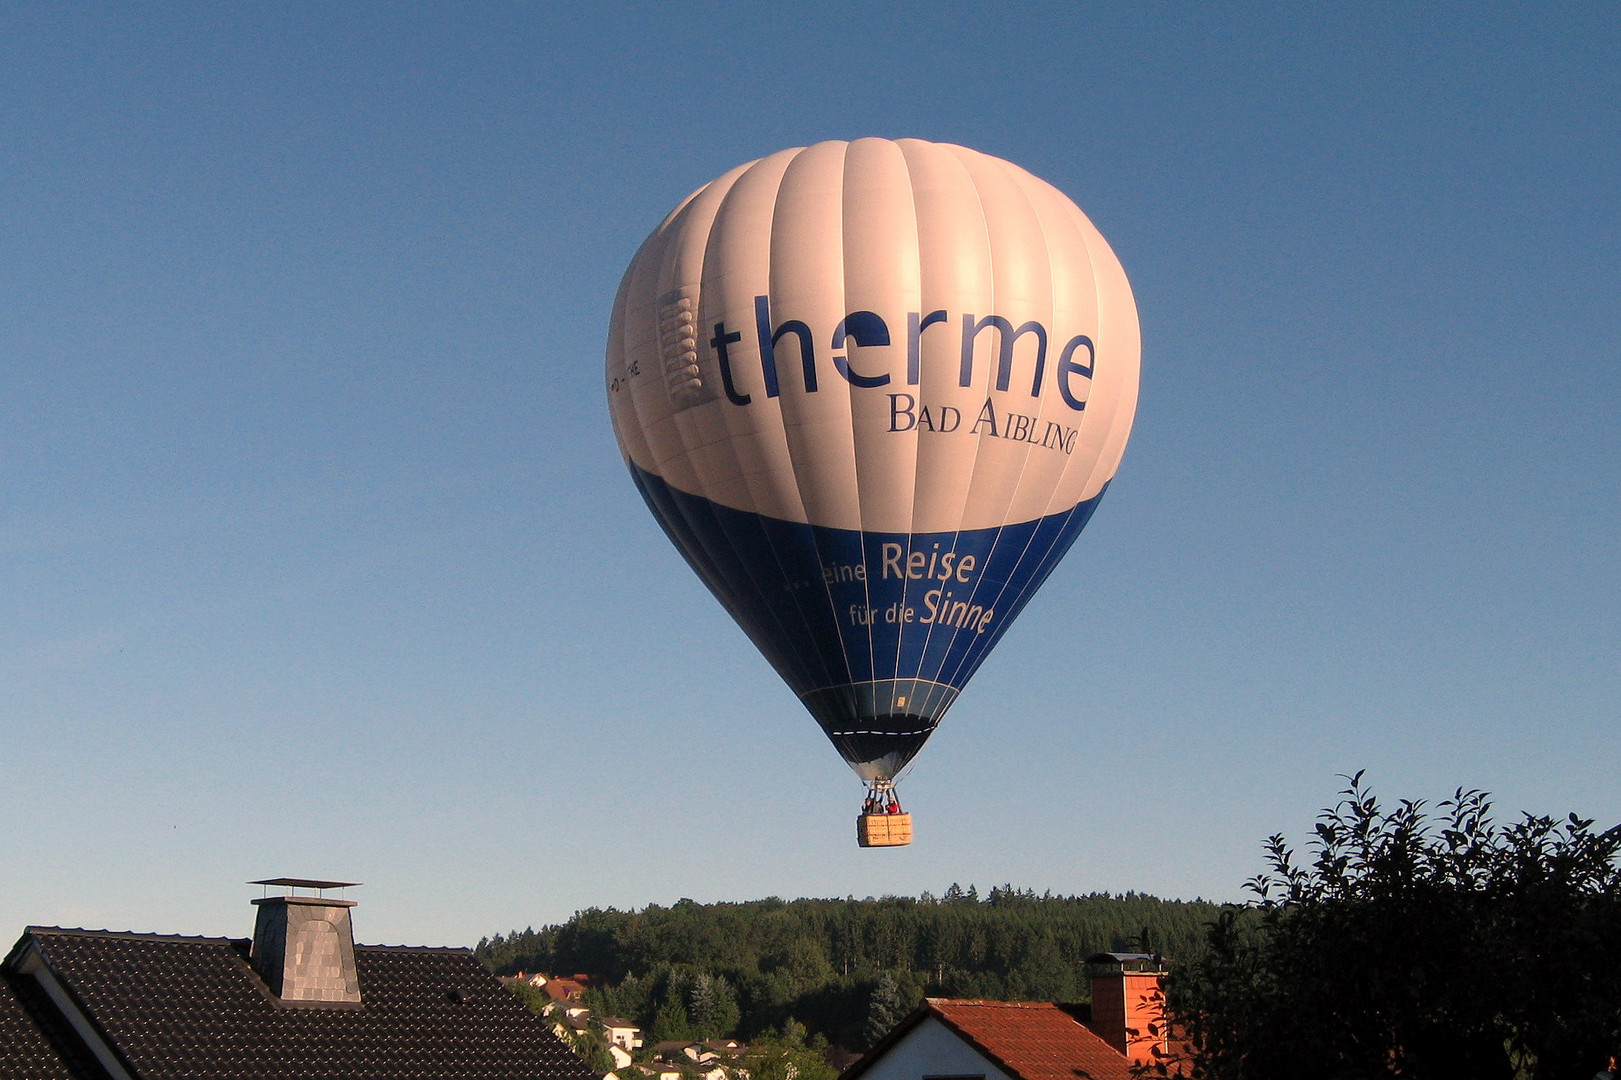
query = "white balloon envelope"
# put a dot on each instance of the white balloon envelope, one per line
(873, 391)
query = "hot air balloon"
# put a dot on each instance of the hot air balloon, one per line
(873, 391)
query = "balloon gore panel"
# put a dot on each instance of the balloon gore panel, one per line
(876, 632)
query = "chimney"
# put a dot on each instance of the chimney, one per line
(303, 946)
(1128, 1007)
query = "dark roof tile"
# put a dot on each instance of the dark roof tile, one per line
(35, 1044)
(185, 1007)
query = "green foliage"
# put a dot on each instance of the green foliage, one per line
(822, 960)
(787, 1056)
(531, 996)
(592, 1047)
(711, 1006)
(1409, 947)
(670, 1016)
(633, 997)
(885, 1008)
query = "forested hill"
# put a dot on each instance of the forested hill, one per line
(823, 963)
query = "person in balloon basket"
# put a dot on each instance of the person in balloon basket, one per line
(876, 805)
(1609, 1070)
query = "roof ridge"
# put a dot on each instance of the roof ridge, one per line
(984, 1002)
(416, 948)
(142, 935)
(213, 939)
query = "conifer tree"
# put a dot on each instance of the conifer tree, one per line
(885, 1008)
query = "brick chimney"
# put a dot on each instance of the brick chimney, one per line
(1128, 1008)
(303, 946)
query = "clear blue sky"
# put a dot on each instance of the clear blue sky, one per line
(317, 556)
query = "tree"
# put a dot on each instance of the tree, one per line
(886, 1008)
(671, 1018)
(1409, 947)
(711, 1006)
(786, 1057)
(591, 1046)
(818, 960)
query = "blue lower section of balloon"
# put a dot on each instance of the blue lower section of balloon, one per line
(876, 632)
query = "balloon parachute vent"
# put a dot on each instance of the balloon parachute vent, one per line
(884, 830)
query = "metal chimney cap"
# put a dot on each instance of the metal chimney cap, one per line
(304, 883)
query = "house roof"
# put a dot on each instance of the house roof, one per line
(648, 1068)
(34, 1043)
(562, 988)
(192, 1006)
(1030, 1040)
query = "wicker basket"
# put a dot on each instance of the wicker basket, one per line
(884, 830)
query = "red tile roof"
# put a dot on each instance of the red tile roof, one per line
(1031, 1040)
(1034, 1040)
(561, 988)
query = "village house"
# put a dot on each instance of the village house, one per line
(528, 978)
(570, 988)
(710, 1058)
(1032, 1040)
(623, 1037)
(621, 1033)
(645, 1070)
(297, 1000)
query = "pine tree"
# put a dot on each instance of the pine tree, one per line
(702, 1004)
(711, 1006)
(885, 1008)
(672, 1018)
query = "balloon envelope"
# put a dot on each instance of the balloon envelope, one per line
(873, 391)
